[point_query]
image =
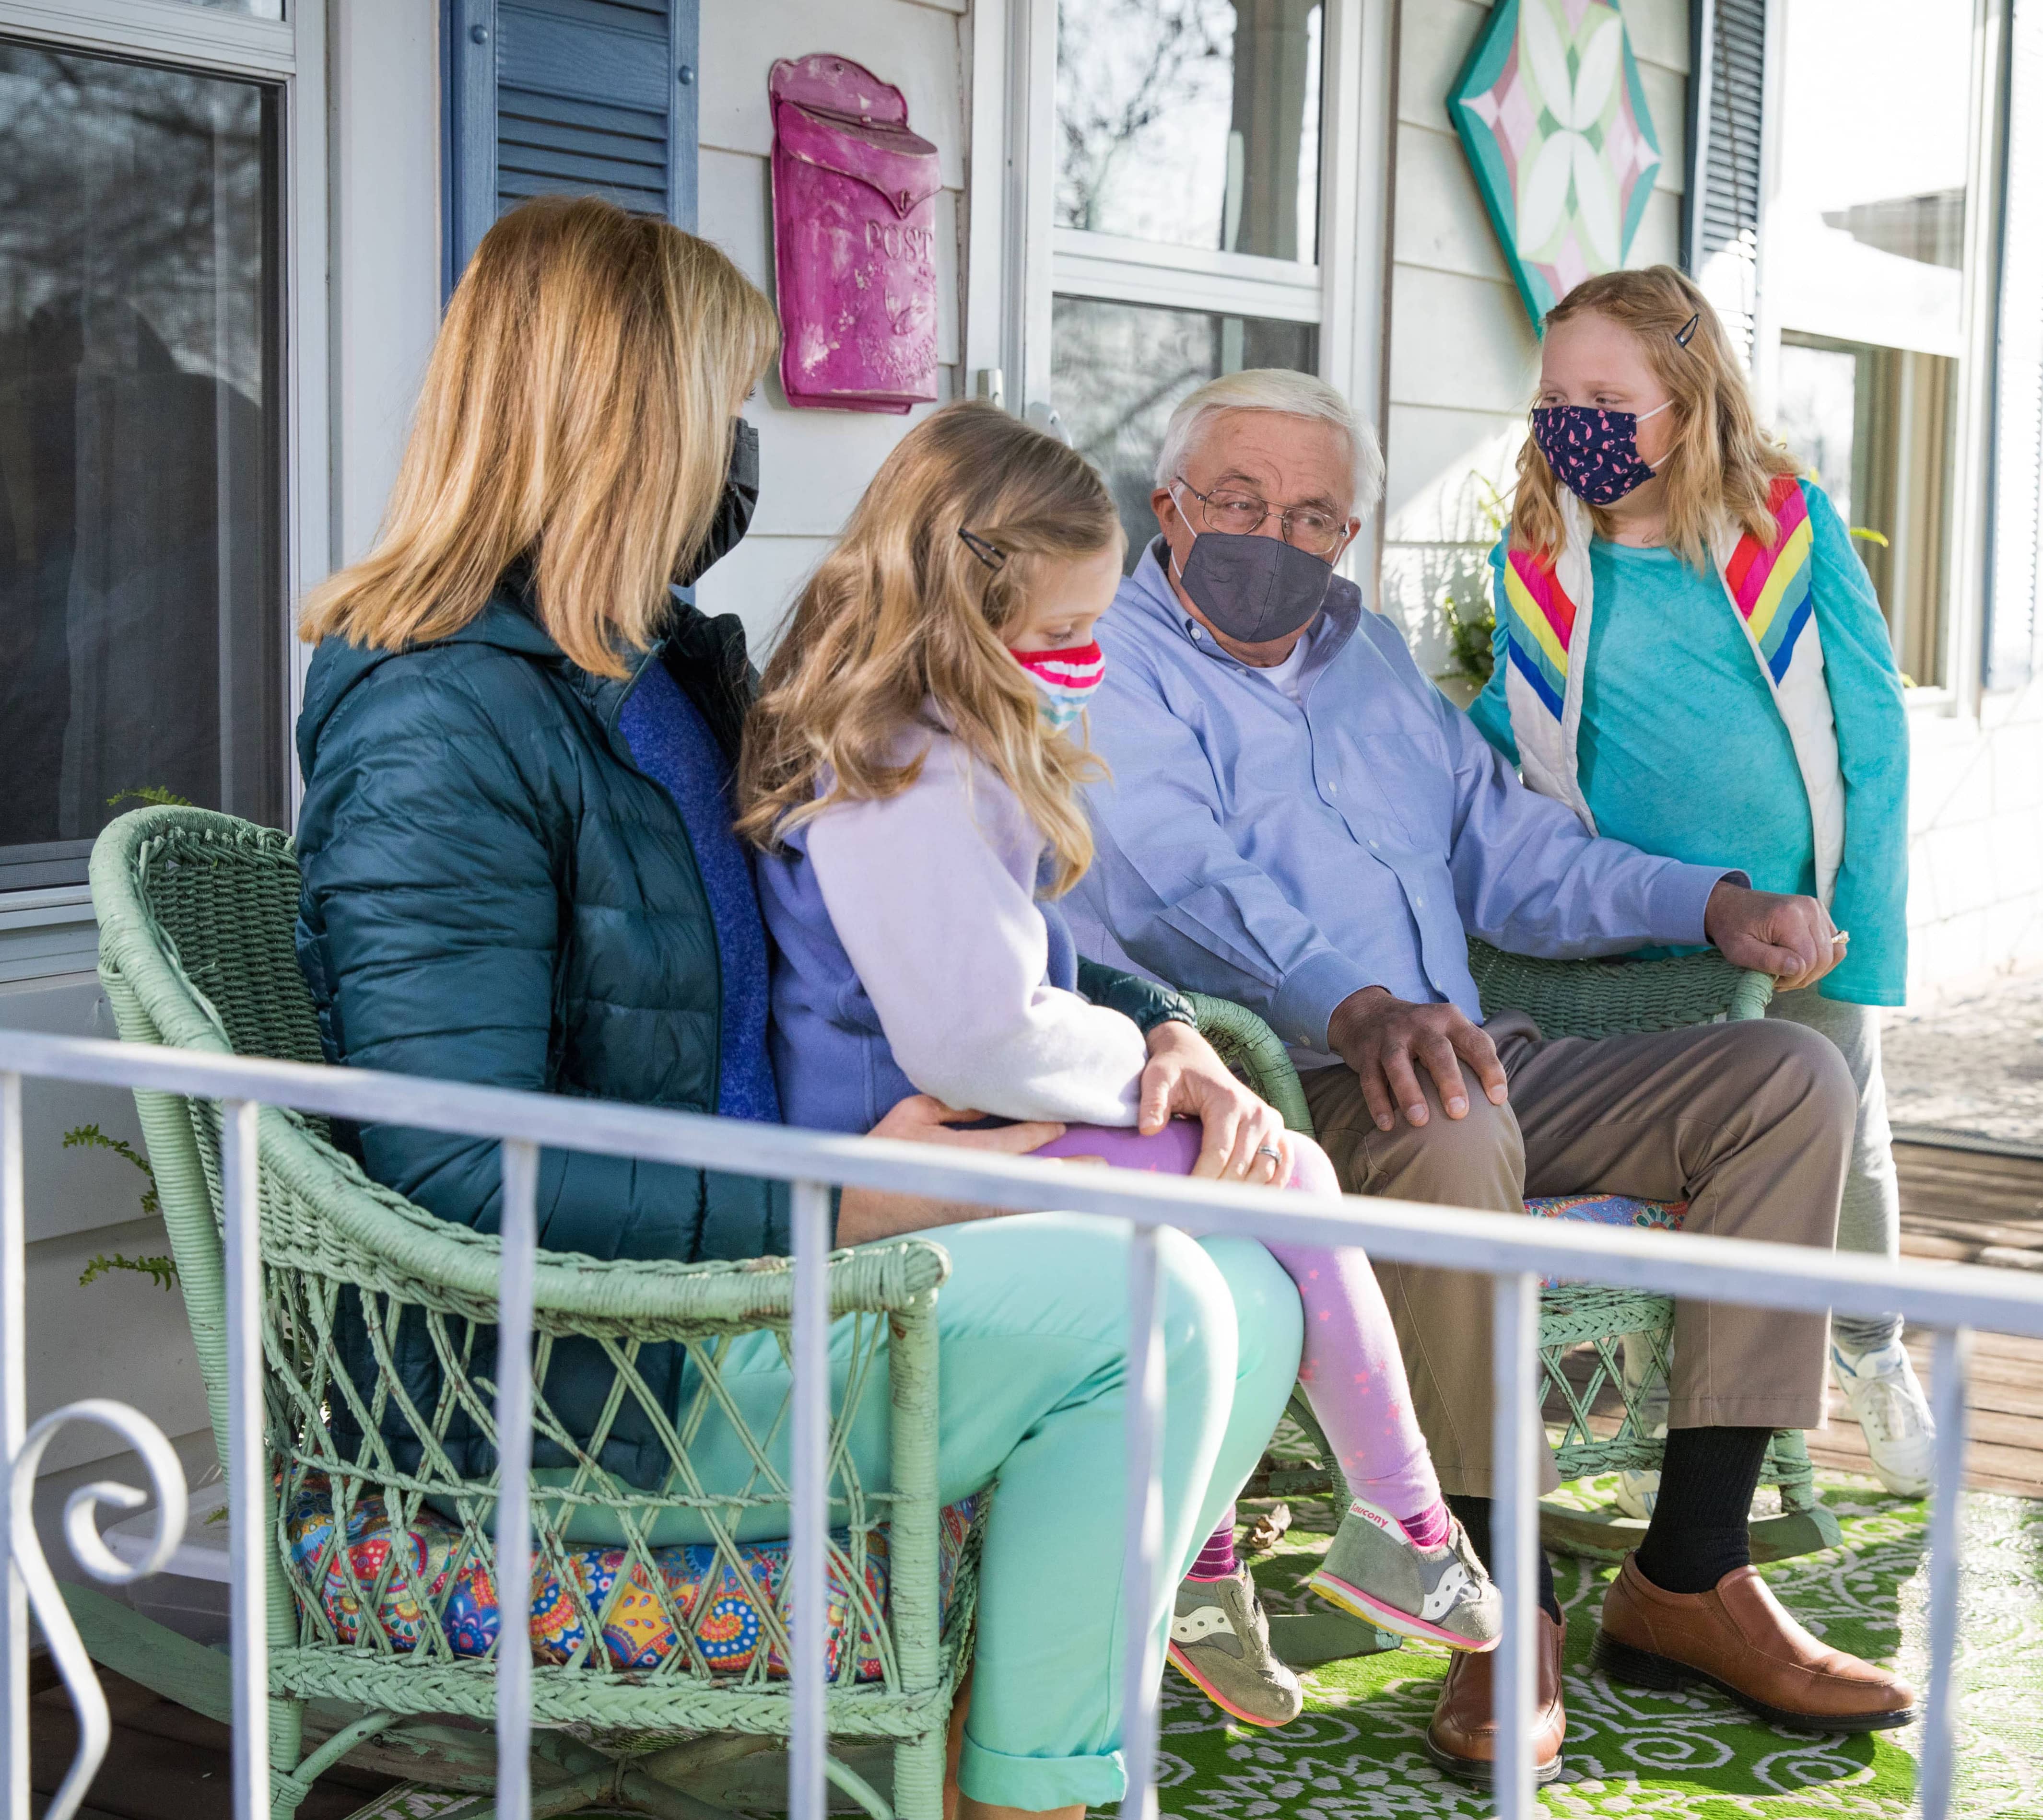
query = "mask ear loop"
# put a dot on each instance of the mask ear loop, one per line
(1171, 565)
(1683, 337)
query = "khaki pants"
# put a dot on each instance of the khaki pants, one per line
(1749, 1122)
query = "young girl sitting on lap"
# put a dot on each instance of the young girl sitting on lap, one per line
(911, 774)
(1689, 653)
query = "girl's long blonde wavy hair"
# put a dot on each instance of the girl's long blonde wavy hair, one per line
(903, 613)
(1720, 464)
(577, 412)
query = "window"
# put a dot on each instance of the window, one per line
(1187, 206)
(1877, 425)
(1121, 368)
(141, 616)
(1866, 277)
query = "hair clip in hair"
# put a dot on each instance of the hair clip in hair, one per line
(1689, 329)
(995, 560)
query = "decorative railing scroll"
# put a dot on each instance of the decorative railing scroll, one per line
(167, 1481)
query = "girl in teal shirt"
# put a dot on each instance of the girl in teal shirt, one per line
(1689, 652)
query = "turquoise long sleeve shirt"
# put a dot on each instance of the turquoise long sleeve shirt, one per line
(1682, 751)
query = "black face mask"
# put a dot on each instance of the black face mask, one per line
(734, 506)
(1253, 588)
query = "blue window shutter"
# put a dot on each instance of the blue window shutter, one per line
(585, 96)
(1720, 204)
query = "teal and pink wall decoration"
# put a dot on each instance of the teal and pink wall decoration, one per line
(1550, 110)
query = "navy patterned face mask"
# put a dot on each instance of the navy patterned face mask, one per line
(1594, 453)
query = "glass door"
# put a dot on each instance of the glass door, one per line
(1187, 213)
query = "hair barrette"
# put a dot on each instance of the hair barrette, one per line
(995, 560)
(1689, 329)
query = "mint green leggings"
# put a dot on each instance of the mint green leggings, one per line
(1032, 1339)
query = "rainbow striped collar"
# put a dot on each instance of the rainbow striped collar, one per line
(1545, 602)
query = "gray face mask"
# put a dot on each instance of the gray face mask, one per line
(1253, 588)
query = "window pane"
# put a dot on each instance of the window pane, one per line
(1878, 426)
(1195, 123)
(247, 9)
(1867, 236)
(1865, 266)
(1118, 370)
(141, 610)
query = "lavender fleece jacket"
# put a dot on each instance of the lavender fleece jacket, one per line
(912, 955)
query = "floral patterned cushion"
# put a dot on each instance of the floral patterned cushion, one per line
(1607, 1210)
(721, 1603)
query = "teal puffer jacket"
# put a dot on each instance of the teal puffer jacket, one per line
(494, 892)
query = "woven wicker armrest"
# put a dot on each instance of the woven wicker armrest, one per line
(331, 1219)
(1606, 997)
(1256, 1053)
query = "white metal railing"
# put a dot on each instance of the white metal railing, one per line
(1514, 1252)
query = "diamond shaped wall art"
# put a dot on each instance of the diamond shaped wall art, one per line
(1550, 112)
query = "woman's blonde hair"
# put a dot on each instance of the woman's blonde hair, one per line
(1719, 465)
(903, 611)
(577, 412)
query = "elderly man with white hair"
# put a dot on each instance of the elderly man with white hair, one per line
(1297, 819)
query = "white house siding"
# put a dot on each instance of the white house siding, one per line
(1463, 356)
(814, 463)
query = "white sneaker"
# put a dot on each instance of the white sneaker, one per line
(1638, 1488)
(1886, 1401)
(1637, 1491)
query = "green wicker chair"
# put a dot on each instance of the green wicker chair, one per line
(1568, 998)
(196, 914)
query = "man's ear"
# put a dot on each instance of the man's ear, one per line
(1165, 509)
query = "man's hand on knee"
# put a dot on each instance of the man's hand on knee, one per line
(1386, 1041)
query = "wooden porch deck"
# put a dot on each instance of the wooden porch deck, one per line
(1974, 1207)
(165, 1762)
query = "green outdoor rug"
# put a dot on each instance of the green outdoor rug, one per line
(1356, 1754)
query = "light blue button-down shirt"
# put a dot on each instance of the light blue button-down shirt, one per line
(1285, 856)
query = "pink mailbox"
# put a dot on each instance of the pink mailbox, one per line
(854, 239)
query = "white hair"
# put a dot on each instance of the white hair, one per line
(1272, 388)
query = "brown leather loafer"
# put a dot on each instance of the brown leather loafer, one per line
(1462, 1737)
(1737, 1637)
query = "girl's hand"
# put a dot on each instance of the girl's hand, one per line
(919, 1119)
(865, 1214)
(1245, 1139)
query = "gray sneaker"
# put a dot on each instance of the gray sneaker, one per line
(1219, 1643)
(1375, 1572)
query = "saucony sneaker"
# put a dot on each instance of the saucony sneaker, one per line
(1375, 1572)
(1219, 1643)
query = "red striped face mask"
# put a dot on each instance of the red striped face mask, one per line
(1065, 679)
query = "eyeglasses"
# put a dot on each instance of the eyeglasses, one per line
(1242, 514)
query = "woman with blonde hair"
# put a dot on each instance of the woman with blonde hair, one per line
(1689, 653)
(520, 869)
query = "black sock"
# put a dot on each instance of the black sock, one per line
(1474, 1516)
(1698, 1533)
